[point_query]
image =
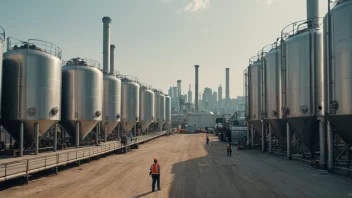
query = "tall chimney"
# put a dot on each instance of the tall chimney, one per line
(196, 89)
(227, 83)
(179, 94)
(112, 59)
(106, 44)
(313, 12)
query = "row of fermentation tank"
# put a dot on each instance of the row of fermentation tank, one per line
(301, 84)
(39, 90)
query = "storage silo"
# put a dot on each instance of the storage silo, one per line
(32, 86)
(129, 103)
(146, 107)
(82, 97)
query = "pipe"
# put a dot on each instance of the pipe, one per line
(55, 137)
(330, 135)
(252, 136)
(196, 89)
(270, 139)
(322, 138)
(77, 134)
(36, 129)
(263, 137)
(248, 144)
(106, 44)
(105, 133)
(112, 59)
(289, 152)
(21, 140)
(313, 12)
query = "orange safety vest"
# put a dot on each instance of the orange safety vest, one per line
(155, 168)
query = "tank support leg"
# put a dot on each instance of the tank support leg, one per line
(252, 135)
(36, 128)
(348, 153)
(248, 144)
(322, 138)
(330, 147)
(21, 140)
(134, 130)
(270, 139)
(97, 134)
(106, 133)
(263, 137)
(288, 131)
(77, 134)
(55, 137)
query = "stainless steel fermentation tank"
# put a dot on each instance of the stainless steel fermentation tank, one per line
(31, 99)
(82, 97)
(168, 112)
(338, 64)
(112, 85)
(160, 110)
(255, 80)
(272, 93)
(129, 103)
(2, 39)
(303, 98)
(146, 107)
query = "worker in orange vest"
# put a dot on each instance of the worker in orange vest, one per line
(155, 173)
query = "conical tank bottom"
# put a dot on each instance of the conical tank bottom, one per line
(127, 126)
(307, 130)
(257, 125)
(145, 125)
(278, 127)
(343, 126)
(85, 127)
(110, 126)
(13, 127)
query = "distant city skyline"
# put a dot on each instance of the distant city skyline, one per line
(160, 41)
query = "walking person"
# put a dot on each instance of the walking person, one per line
(207, 140)
(155, 173)
(229, 149)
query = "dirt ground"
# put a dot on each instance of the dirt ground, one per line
(189, 168)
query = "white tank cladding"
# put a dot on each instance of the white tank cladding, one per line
(129, 103)
(82, 96)
(338, 63)
(146, 107)
(302, 56)
(32, 86)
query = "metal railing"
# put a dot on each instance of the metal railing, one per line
(21, 168)
(128, 77)
(299, 27)
(34, 44)
(82, 62)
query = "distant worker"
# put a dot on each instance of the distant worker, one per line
(155, 173)
(229, 149)
(207, 139)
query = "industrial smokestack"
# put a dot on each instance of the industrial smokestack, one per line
(196, 89)
(106, 44)
(112, 59)
(227, 83)
(313, 12)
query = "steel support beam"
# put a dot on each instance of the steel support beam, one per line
(288, 131)
(21, 140)
(77, 134)
(322, 138)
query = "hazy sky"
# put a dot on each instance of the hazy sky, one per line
(159, 41)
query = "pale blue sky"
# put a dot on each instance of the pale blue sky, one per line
(159, 41)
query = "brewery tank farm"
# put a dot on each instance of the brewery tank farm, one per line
(55, 113)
